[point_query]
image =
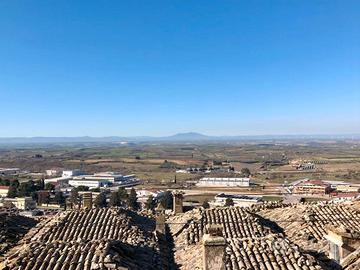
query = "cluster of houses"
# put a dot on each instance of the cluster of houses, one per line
(305, 165)
(68, 180)
(334, 189)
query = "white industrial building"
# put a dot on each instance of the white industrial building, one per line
(9, 171)
(223, 182)
(51, 172)
(144, 194)
(103, 179)
(91, 183)
(111, 177)
(238, 200)
(71, 173)
(61, 181)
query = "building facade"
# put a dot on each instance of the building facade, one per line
(312, 187)
(239, 200)
(26, 203)
(4, 190)
(9, 171)
(347, 188)
(224, 182)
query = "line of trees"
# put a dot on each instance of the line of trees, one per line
(121, 198)
(118, 198)
(24, 189)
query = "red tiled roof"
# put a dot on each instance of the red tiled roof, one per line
(316, 182)
(344, 194)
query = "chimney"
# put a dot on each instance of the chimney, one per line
(87, 200)
(160, 223)
(342, 242)
(177, 203)
(214, 245)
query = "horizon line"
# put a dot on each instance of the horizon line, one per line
(184, 133)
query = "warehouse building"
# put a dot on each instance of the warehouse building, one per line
(223, 182)
(9, 171)
(90, 183)
(347, 188)
(103, 179)
(238, 200)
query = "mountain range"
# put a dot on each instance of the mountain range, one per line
(180, 137)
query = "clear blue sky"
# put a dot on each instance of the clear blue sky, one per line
(99, 68)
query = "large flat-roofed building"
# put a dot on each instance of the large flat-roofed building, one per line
(51, 172)
(238, 200)
(347, 188)
(103, 179)
(9, 171)
(71, 173)
(312, 187)
(61, 181)
(224, 182)
(26, 203)
(111, 177)
(91, 183)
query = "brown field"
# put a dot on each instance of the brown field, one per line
(342, 160)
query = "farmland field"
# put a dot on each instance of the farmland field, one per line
(269, 163)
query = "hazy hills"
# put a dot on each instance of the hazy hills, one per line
(180, 137)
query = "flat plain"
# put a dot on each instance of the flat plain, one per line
(270, 163)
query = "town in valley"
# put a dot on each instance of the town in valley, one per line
(276, 204)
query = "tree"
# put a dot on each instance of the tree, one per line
(167, 200)
(74, 198)
(118, 197)
(4, 182)
(122, 193)
(132, 200)
(100, 200)
(168, 165)
(115, 199)
(40, 184)
(82, 188)
(14, 183)
(217, 163)
(12, 193)
(206, 204)
(59, 198)
(150, 203)
(49, 186)
(246, 172)
(26, 189)
(229, 202)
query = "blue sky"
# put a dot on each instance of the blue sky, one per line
(100, 68)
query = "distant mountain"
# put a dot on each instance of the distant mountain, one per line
(189, 136)
(180, 137)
